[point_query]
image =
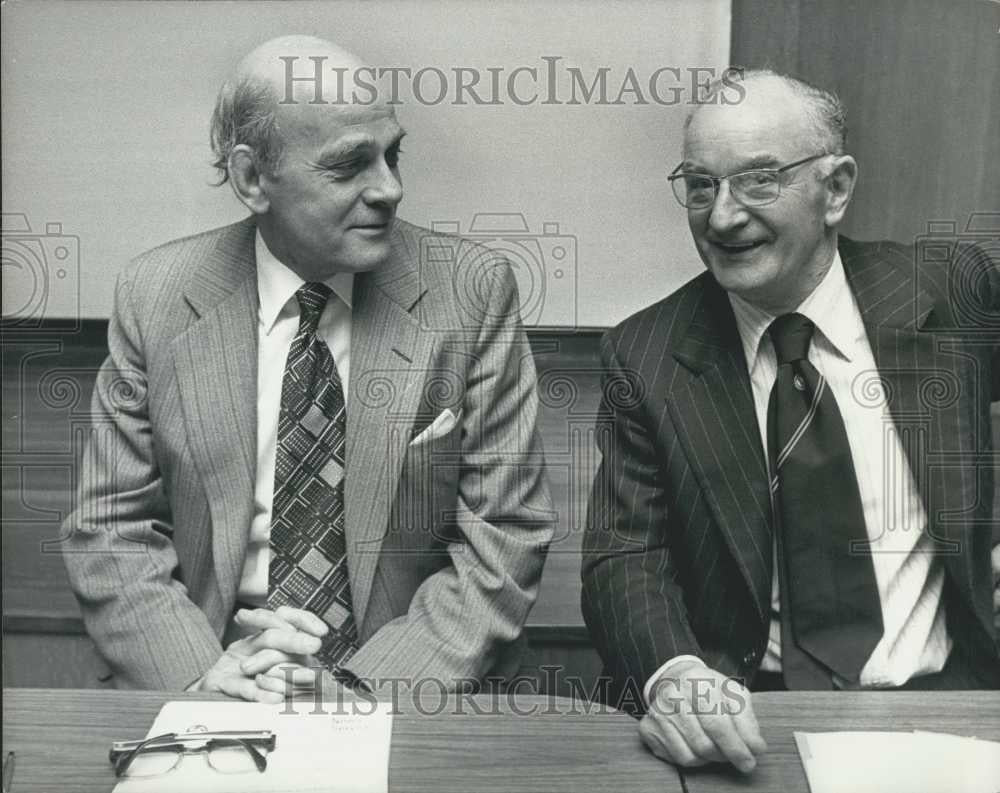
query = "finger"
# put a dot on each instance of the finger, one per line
(667, 743)
(721, 730)
(689, 726)
(685, 716)
(246, 688)
(262, 660)
(287, 640)
(745, 721)
(650, 735)
(259, 619)
(276, 685)
(298, 676)
(303, 620)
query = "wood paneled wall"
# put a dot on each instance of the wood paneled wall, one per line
(48, 376)
(921, 83)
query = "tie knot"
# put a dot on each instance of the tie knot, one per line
(312, 298)
(791, 335)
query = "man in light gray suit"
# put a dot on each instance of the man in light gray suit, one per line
(315, 439)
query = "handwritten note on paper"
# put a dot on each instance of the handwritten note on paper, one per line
(343, 749)
(907, 762)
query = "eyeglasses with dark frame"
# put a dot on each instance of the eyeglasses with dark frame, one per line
(228, 752)
(756, 187)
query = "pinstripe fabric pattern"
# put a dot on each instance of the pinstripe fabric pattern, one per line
(678, 547)
(910, 578)
(441, 584)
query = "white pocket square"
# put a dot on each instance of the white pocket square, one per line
(442, 425)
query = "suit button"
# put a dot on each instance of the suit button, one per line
(750, 658)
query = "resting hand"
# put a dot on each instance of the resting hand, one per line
(283, 636)
(292, 680)
(698, 715)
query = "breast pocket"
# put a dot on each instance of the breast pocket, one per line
(426, 499)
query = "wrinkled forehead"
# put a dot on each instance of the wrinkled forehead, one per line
(322, 126)
(770, 120)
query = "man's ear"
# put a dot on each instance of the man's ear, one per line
(245, 178)
(840, 187)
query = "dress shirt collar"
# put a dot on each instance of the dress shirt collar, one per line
(830, 306)
(277, 285)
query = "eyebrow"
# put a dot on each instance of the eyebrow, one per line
(754, 163)
(354, 145)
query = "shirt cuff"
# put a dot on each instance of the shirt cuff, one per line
(648, 688)
(195, 684)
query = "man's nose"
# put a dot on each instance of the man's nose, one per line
(385, 187)
(727, 212)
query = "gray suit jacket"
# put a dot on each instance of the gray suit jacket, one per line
(445, 539)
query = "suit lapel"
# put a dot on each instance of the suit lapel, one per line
(931, 387)
(711, 404)
(216, 364)
(390, 357)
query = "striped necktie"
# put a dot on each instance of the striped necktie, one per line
(308, 568)
(831, 615)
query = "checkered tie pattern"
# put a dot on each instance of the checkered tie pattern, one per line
(308, 567)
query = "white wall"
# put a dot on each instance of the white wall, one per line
(105, 119)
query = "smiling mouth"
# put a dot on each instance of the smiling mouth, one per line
(738, 247)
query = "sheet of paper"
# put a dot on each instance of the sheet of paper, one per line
(908, 762)
(344, 749)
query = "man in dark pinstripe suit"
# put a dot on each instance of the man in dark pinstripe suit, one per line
(680, 588)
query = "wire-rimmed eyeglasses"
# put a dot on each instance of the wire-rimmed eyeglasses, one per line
(228, 752)
(755, 187)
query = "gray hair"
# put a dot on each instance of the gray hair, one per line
(245, 115)
(827, 113)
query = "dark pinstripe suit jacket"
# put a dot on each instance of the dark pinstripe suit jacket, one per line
(445, 538)
(677, 551)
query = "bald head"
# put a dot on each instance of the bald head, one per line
(300, 69)
(817, 116)
(282, 89)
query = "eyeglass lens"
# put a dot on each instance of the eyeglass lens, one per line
(752, 187)
(153, 762)
(226, 759)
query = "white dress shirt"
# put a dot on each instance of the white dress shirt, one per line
(910, 577)
(277, 323)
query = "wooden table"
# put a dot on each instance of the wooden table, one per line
(518, 743)
(973, 713)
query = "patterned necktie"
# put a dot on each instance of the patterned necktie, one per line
(308, 567)
(830, 608)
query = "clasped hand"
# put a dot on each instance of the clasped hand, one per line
(275, 660)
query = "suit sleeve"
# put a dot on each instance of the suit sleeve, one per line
(118, 549)
(462, 617)
(631, 600)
